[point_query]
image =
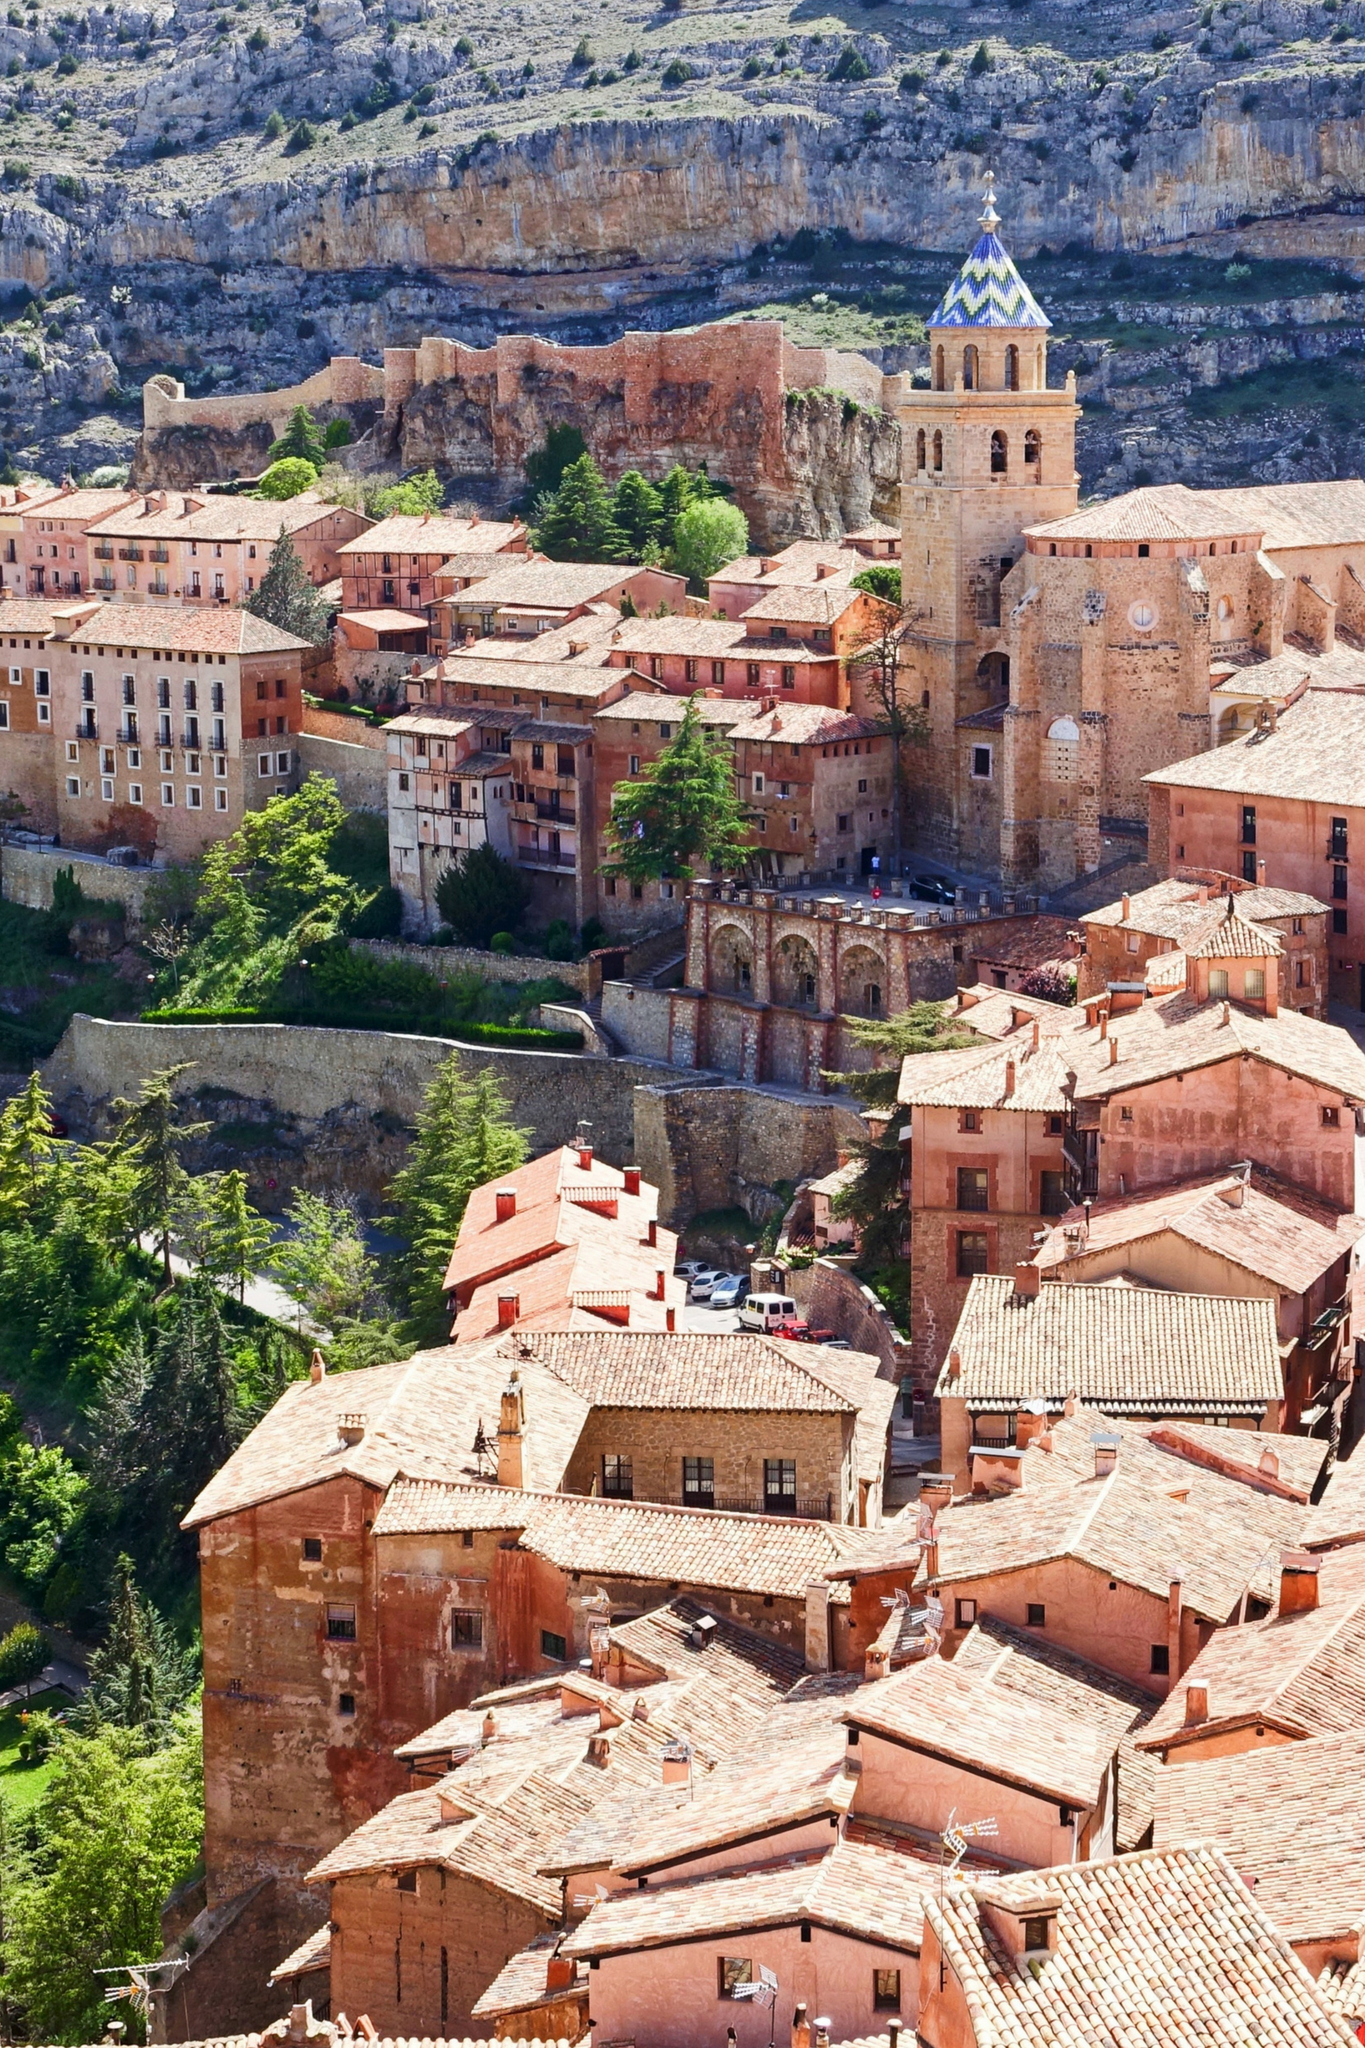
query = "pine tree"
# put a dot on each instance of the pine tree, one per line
(300, 439)
(288, 599)
(237, 1237)
(682, 811)
(924, 1027)
(139, 1677)
(465, 1138)
(149, 1138)
(577, 524)
(27, 1145)
(545, 466)
(680, 488)
(480, 893)
(325, 1265)
(638, 511)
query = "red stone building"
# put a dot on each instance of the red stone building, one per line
(395, 563)
(177, 548)
(1120, 942)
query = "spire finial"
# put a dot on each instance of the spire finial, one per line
(990, 219)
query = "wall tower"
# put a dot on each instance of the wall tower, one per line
(987, 450)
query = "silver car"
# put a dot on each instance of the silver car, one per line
(730, 1290)
(700, 1285)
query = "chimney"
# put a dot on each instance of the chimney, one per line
(893, 2034)
(1298, 1582)
(511, 1424)
(632, 1177)
(1009, 1078)
(317, 1367)
(599, 1751)
(509, 1309)
(1026, 1280)
(817, 1625)
(1272, 987)
(583, 1140)
(822, 2031)
(652, 1231)
(1104, 1024)
(670, 1319)
(1175, 1611)
(677, 1764)
(659, 1278)
(1127, 906)
(1269, 1465)
(1069, 1405)
(1036, 1033)
(1106, 1447)
(559, 1973)
(1235, 1195)
(702, 1633)
(936, 1491)
(1113, 1052)
(490, 1726)
(1260, 872)
(954, 1363)
(800, 2027)
(1196, 1705)
(1203, 892)
(1028, 1423)
(352, 1428)
(876, 1663)
(505, 1201)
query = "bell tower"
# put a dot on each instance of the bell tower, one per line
(986, 451)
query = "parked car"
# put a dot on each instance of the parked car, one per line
(799, 1331)
(933, 889)
(689, 1269)
(766, 1311)
(700, 1285)
(837, 1344)
(730, 1290)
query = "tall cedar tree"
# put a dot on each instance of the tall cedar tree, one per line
(682, 812)
(139, 1676)
(465, 1138)
(300, 439)
(288, 599)
(481, 893)
(26, 1148)
(638, 510)
(545, 466)
(238, 1236)
(150, 1138)
(577, 525)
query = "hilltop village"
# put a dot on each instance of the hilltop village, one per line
(954, 1631)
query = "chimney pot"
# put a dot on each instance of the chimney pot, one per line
(1269, 1464)
(954, 1363)
(509, 1309)
(1196, 1705)
(1260, 872)
(659, 1279)
(599, 1751)
(505, 1201)
(1104, 1024)
(652, 1231)
(1106, 1452)
(585, 1158)
(317, 1368)
(490, 1725)
(670, 1319)
(1127, 906)
(352, 1428)
(1009, 1078)
(1298, 1582)
(559, 1973)
(1026, 1279)
(1113, 1052)
(632, 1177)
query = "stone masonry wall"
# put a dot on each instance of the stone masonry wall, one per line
(703, 1148)
(27, 874)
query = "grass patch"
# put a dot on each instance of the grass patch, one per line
(1334, 386)
(22, 1784)
(842, 323)
(42, 985)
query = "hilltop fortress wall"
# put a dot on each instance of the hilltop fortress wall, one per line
(807, 438)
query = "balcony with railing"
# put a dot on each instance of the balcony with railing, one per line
(159, 555)
(88, 728)
(546, 857)
(555, 814)
(817, 1507)
(130, 554)
(104, 551)
(190, 738)
(128, 734)
(104, 581)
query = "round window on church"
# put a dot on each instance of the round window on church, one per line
(1142, 615)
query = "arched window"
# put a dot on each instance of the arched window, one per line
(1033, 449)
(938, 369)
(1224, 615)
(1011, 368)
(971, 368)
(938, 451)
(1040, 374)
(1000, 453)
(919, 449)
(1061, 751)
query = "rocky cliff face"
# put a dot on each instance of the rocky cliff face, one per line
(555, 170)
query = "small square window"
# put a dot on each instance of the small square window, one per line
(466, 1629)
(341, 1624)
(1036, 1614)
(970, 1120)
(554, 1646)
(1035, 1933)
(981, 764)
(1160, 1665)
(886, 1990)
(263, 768)
(1331, 1118)
(1125, 1114)
(312, 1549)
(194, 798)
(733, 1970)
(346, 1704)
(966, 1614)
(168, 796)
(407, 1880)
(135, 792)
(283, 763)
(73, 785)
(73, 750)
(973, 1253)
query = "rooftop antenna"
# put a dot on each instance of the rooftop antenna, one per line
(763, 1990)
(483, 1449)
(139, 1990)
(956, 1838)
(590, 1898)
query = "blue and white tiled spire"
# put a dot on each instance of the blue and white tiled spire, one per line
(988, 291)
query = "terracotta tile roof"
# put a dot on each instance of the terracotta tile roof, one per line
(1316, 753)
(520, 1984)
(807, 604)
(805, 725)
(1281, 676)
(529, 679)
(691, 1370)
(24, 615)
(1303, 1674)
(1028, 942)
(1276, 1235)
(1281, 515)
(446, 721)
(553, 586)
(1173, 910)
(1222, 1533)
(656, 706)
(681, 634)
(796, 1782)
(1341, 1988)
(196, 628)
(579, 1287)
(858, 1888)
(1166, 1947)
(216, 516)
(633, 1539)
(875, 529)
(494, 1834)
(1000, 1076)
(1177, 1033)
(557, 1202)
(434, 533)
(387, 620)
(421, 1418)
(1231, 937)
(584, 639)
(313, 1954)
(1240, 1453)
(82, 506)
(1291, 1822)
(468, 566)
(1125, 1348)
(1339, 1517)
(997, 1013)
(993, 1730)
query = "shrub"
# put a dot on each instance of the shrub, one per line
(274, 127)
(258, 40)
(66, 64)
(850, 66)
(982, 61)
(287, 478)
(464, 48)
(1162, 41)
(912, 81)
(382, 916)
(23, 1654)
(480, 894)
(502, 942)
(582, 56)
(880, 579)
(304, 136)
(677, 73)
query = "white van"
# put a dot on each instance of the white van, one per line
(766, 1311)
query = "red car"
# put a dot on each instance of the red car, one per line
(799, 1332)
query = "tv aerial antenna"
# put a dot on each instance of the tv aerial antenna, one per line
(763, 1991)
(956, 1836)
(139, 1990)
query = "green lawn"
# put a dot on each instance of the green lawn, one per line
(22, 1785)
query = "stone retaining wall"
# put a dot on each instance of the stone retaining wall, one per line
(443, 961)
(27, 874)
(361, 775)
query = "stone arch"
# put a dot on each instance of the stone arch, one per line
(732, 961)
(938, 367)
(1062, 751)
(1224, 618)
(1000, 452)
(993, 674)
(971, 368)
(919, 449)
(1033, 452)
(938, 451)
(796, 973)
(1011, 368)
(862, 983)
